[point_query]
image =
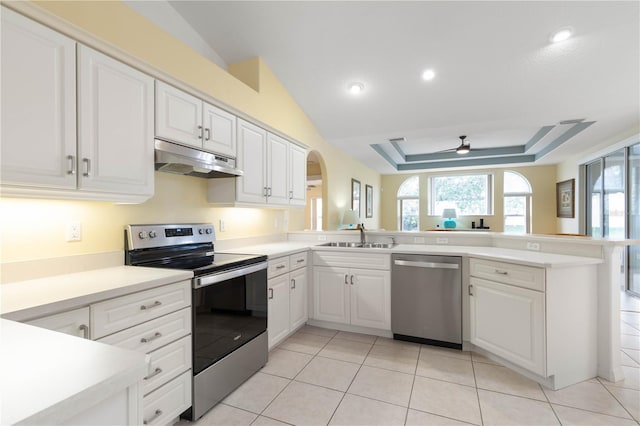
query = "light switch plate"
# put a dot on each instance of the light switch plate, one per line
(533, 246)
(442, 241)
(418, 240)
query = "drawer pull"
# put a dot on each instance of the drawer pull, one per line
(153, 305)
(237, 337)
(346, 278)
(293, 284)
(270, 293)
(156, 335)
(85, 330)
(280, 267)
(470, 290)
(299, 260)
(157, 371)
(498, 271)
(157, 414)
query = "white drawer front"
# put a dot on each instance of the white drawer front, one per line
(508, 273)
(154, 334)
(167, 402)
(123, 312)
(298, 260)
(168, 362)
(278, 266)
(352, 260)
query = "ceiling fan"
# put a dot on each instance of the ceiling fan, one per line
(464, 148)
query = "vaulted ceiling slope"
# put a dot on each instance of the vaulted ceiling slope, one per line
(499, 79)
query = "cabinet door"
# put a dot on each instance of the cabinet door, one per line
(252, 160)
(115, 126)
(298, 298)
(219, 131)
(297, 176)
(331, 294)
(75, 323)
(509, 322)
(277, 170)
(178, 116)
(278, 309)
(38, 104)
(370, 298)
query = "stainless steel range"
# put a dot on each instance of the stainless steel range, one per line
(229, 301)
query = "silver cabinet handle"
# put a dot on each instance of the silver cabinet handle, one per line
(470, 290)
(71, 170)
(351, 279)
(290, 194)
(156, 335)
(346, 278)
(498, 271)
(293, 283)
(85, 330)
(280, 266)
(264, 192)
(157, 371)
(157, 414)
(199, 132)
(153, 305)
(208, 132)
(269, 191)
(270, 293)
(87, 167)
(299, 260)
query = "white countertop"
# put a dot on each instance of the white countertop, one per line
(525, 257)
(25, 300)
(48, 377)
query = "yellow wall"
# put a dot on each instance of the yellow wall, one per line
(117, 25)
(541, 178)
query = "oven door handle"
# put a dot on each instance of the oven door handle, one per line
(224, 276)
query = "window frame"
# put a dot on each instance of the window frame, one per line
(402, 198)
(490, 192)
(528, 198)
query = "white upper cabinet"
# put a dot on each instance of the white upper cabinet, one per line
(185, 119)
(115, 126)
(297, 175)
(38, 105)
(46, 84)
(277, 170)
(252, 160)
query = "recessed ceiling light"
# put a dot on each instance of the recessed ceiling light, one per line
(561, 35)
(428, 75)
(356, 88)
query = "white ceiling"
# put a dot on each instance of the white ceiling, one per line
(499, 78)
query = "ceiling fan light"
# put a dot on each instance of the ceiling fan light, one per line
(463, 149)
(356, 88)
(428, 75)
(561, 35)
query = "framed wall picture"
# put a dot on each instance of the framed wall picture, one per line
(355, 196)
(368, 200)
(565, 198)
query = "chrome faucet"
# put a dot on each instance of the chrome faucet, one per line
(362, 237)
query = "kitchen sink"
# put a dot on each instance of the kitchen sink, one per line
(358, 245)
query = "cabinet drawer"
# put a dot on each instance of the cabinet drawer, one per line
(117, 314)
(508, 273)
(278, 266)
(298, 260)
(167, 402)
(75, 323)
(154, 334)
(167, 362)
(352, 260)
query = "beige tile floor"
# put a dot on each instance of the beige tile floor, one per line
(327, 377)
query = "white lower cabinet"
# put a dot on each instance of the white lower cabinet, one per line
(510, 322)
(538, 319)
(156, 322)
(355, 296)
(287, 294)
(75, 322)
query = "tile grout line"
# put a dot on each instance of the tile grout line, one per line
(475, 381)
(619, 402)
(553, 410)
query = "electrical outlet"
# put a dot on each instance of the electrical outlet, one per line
(442, 241)
(322, 238)
(418, 240)
(222, 226)
(533, 246)
(74, 231)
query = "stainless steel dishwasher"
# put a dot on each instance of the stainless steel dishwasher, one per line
(426, 299)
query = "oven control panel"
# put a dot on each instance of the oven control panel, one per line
(149, 236)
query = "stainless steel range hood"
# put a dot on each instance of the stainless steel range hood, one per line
(173, 158)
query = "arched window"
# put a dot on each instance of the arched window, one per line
(517, 204)
(409, 205)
